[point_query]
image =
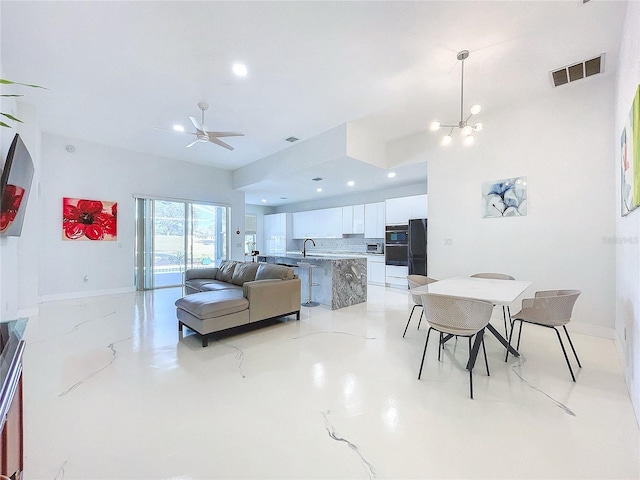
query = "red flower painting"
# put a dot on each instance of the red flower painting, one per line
(10, 205)
(89, 219)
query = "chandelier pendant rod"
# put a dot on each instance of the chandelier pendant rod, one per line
(462, 96)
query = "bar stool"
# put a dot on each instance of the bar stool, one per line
(310, 267)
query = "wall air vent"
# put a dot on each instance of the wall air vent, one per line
(317, 179)
(574, 72)
(291, 139)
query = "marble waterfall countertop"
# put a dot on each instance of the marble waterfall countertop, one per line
(339, 280)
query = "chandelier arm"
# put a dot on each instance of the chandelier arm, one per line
(462, 93)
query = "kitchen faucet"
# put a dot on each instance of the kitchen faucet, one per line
(304, 246)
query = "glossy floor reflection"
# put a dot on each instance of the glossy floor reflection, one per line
(112, 391)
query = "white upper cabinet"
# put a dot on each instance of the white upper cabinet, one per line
(374, 215)
(325, 223)
(353, 219)
(418, 206)
(358, 219)
(400, 210)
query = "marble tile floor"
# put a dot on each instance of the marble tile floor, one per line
(112, 391)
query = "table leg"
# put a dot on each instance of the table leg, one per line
(502, 340)
(473, 354)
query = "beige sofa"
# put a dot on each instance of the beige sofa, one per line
(234, 294)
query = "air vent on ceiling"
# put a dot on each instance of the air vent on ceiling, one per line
(574, 72)
(292, 139)
(317, 179)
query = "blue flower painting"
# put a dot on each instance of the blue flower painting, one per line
(505, 198)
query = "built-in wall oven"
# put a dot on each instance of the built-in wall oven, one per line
(396, 248)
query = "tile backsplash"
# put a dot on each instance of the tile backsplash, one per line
(346, 244)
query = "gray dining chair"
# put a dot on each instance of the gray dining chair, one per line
(551, 309)
(414, 282)
(464, 317)
(506, 312)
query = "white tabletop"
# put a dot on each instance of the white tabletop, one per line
(498, 292)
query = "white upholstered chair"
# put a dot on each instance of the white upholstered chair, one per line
(457, 316)
(551, 309)
(414, 282)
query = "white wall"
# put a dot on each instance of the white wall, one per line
(562, 144)
(106, 173)
(627, 237)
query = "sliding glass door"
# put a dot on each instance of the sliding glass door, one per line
(175, 235)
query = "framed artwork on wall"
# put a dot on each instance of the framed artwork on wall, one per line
(630, 159)
(504, 198)
(84, 219)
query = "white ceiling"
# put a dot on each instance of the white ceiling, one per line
(116, 70)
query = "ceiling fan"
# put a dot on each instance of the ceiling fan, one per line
(203, 135)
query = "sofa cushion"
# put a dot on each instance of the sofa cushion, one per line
(267, 271)
(244, 272)
(225, 271)
(215, 285)
(205, 305)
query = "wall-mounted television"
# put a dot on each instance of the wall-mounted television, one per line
(15, 185)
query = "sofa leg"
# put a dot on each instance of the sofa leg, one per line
(298, 315)
(205, 341)
(179, 326)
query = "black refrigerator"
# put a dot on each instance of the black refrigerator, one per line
(418, 247)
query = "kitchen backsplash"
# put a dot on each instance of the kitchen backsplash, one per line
(347, 244)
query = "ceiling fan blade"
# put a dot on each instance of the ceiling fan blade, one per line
(225, 134)
(195, 123)
(193, 143)
(220, 142)
(172, 130)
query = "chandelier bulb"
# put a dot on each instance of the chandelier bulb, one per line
(468, 140)
(446, 140)
(477, 127)
(435, 126)
(466, 131)
(475, 109)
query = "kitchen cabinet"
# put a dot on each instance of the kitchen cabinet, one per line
(325, 223)
(418, 206)
(352, 219)
(374, 220)
(277, 228)
(400, 210)
(375, 269)
(396, 276)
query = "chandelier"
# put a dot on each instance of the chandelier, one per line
(466, 128)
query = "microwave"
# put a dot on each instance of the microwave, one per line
(397, 235)
(374, 248)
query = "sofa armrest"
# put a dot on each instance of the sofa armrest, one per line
(272, 298)
(201, 273)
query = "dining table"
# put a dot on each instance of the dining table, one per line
(497, 292)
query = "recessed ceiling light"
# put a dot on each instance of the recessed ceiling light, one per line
(264, 200)
(178, 128)
(391, 174)
(240, 69)
(70, 148)
(318, 190)
(351, 183)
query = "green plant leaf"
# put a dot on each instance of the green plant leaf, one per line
(11, 117)
(9, 82)
(2, 124)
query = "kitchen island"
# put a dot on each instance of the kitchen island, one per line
(341, 279)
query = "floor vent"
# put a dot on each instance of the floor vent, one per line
(574, 72)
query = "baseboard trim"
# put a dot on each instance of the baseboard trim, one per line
(592, 330)
(90, 293)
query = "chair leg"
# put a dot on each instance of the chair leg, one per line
(565, 354)
(486, 362)
(409, 321)
(440, 346)
(424, 353)
(572, 348)
(420, 321)
(470, 373)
